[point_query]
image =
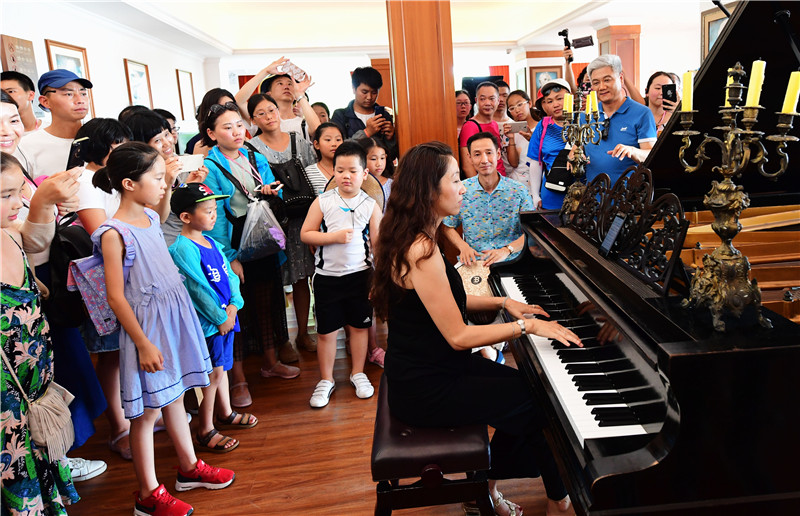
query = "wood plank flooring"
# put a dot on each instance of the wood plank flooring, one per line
(296, 461)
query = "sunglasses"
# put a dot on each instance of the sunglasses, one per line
(219, 108)
(606, 128)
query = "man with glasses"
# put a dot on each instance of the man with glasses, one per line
(66, 97)
(629, 131)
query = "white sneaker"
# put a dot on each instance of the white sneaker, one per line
(322, 393)
(82, 469)
(363, 387)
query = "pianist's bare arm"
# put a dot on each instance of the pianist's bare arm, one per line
(428, 277)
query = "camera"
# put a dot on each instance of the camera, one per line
(565, 34)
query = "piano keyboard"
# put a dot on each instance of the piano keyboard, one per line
(601, 392)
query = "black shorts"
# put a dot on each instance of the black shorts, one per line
(342, 301)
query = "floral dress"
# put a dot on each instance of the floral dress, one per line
(31, 484)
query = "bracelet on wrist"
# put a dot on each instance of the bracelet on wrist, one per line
(503, 306)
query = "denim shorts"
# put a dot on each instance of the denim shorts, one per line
(94, 342)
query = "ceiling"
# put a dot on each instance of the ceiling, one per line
(226, 28)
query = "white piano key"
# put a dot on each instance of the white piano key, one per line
(581, 419)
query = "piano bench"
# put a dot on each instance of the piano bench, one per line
(401, 451)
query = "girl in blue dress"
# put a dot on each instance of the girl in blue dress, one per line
(162, 348)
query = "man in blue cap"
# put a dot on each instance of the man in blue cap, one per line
(66, 97)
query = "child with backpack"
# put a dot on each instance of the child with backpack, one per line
(162, 351)
(214, 290)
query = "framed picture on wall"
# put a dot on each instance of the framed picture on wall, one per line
(72, 58)
(137, 75)
(522, 80)
(712, 22)
(186, 94)
(540, 75)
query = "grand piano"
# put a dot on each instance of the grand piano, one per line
(671, 417)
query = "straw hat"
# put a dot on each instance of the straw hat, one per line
(371, 186)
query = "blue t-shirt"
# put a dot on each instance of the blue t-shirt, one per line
(551, 146)
(216, 273)
(632, 124)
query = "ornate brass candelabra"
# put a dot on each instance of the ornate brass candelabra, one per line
(577, 135)
(723, 282)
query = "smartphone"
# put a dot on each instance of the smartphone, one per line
(191, 162)
(515, 126)
(669, 92)
(295, 71)
(74, 152)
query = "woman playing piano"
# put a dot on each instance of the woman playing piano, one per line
(435, 379)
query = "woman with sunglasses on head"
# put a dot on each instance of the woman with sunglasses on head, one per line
(231, 172)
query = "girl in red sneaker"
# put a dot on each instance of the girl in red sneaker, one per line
(162, 348)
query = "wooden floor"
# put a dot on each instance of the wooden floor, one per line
(296, 461)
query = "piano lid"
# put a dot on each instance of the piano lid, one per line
(751, 33)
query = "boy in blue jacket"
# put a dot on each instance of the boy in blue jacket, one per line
(214, 290)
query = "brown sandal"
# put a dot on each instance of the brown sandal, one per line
(228, 424)
(220, 446)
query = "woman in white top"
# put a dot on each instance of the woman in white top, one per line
(519, 108)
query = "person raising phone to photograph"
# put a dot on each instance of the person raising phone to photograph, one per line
(288, 91)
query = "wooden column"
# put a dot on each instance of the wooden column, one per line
(385, 97)
(421, 57)
(622, 40)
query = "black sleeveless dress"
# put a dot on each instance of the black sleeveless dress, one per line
(432, 384)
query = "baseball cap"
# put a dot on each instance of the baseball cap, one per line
(58, 78)
(188, 194)
(546, 87)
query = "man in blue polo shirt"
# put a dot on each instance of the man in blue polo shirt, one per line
(490, 209)
(630, 130)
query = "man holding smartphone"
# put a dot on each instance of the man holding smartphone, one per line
(364, 117)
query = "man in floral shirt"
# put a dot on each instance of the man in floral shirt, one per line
(489, 213)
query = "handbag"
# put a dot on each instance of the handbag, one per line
(88, 276)
(49, 419)
(258, 233)
(262, 236)
(298, 193)
(475, 278)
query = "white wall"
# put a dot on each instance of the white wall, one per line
(107, 44)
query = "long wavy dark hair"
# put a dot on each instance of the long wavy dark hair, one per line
(408, 215)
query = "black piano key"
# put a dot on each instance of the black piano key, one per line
(585, 332)
(576, 354)
(603, 398)
(618, 422)
(584, 368)
(592, 383)
(627, 380)
(608, 366)
(640, 395)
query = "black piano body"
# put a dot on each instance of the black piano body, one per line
(728, 442)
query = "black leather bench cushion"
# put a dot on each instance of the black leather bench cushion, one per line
(401, 451)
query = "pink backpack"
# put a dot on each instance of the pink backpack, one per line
(88, 276)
